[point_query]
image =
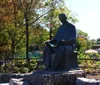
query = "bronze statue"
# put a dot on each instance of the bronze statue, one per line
(57, 52)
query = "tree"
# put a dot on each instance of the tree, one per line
(83, 42)
(28, 9)
(20, 17)
(98, 41)
(52, 22)
(31, 9)
(93, 41)
(10, 18)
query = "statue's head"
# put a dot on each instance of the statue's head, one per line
(62, 17)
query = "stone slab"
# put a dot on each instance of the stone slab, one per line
(42, 77)
(86, 81)
(18, 82)
(54, 77)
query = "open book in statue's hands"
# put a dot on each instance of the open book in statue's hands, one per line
(51, 43)
(46, 42)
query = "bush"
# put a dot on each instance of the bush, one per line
(22, 64)
(24, 70)
(17, 66)
(33, 65)
(90, 65)
(1, 69)
(16, 69)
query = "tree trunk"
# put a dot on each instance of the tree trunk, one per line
(27, 38)
(13, 49)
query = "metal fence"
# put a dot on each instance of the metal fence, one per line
(7, 65)
(94, 63)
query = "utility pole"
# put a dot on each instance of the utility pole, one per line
(51, 15)
(51, 29)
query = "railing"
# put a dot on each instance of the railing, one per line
(93, 63)
(4, 63)
(40, 62)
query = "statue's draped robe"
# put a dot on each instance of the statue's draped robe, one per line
(58, 57)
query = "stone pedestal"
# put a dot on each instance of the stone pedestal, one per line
(52, 78)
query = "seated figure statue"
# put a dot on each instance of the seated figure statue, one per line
(57, 52)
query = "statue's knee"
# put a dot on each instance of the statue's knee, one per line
(47, 47)
(75, 53)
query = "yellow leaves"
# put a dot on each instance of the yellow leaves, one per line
(6, 11)
(6, 18)
(9, 0)
(81, 39)
(5, 46)
(82, 42)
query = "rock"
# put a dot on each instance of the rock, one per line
(43, 77)
(86, 81)
(18, 82)
(4, 78)
(54, 78)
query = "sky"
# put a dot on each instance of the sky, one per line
(88, 14)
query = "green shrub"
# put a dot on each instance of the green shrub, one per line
(16, 69)
(16, 66)
(32, 67)
(1, 69)
(90, 65)
(24, 70)
(20, 63)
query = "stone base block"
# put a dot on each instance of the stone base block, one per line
(50, 78)
(54, 78)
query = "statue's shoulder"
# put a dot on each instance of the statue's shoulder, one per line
(60, 27)
(71, 25)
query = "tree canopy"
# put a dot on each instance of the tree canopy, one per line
(23, 20)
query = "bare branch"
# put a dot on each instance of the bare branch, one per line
(40, 17)
(19, 39)
(30, 4)
(9, 32)
(20, 5)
